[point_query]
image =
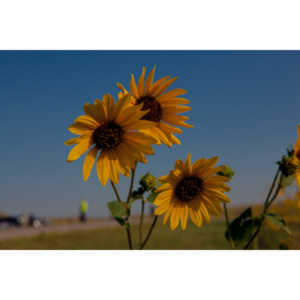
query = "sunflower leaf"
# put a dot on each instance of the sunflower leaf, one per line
(242, 228)
(117, 210)
(120, 221)
(277, 220)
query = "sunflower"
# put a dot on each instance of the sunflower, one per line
(297, 157)
(163, 106)
(111, 129)
(191, 190)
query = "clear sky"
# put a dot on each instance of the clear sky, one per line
(245, 109)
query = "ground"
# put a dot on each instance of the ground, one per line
(109, 236)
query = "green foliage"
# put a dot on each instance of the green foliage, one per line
(278, 221)
(242, 228)
(118, 210)
(287, 180)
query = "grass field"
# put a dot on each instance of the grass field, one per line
(209, 237)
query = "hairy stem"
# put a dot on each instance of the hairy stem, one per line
(268, 203)
(141, 221)
(149, 233)
(116, 191)
(271, 189)
(131, 183)
(227, 225)
(127, 222)
(129, 236)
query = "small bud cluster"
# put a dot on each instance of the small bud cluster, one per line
(287, 164)
(147, 183)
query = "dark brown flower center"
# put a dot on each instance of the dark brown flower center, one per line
(108, 136)
(188, 188)
(153, 105)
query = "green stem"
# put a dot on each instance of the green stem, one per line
(127, 223)
(271, 189)
(268, 203)
(129, 236)
(149, 233)
(116, 191)
(141, 221)
(227, 225)
(131, 183)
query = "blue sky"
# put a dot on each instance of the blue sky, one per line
(245, 109)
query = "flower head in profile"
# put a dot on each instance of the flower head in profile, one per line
(163, 106)
(191, 190)
(110, 129)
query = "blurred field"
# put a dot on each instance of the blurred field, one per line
(209, 237)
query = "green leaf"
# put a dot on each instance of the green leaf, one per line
(117, 209)
(287, 180)
(120, 221)
(242, 228)
(277, 220)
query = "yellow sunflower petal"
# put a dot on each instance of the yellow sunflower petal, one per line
(141, 83)
(297, 146)
(167, 215)
(133, 87)
(195, 217)
(108, 105)
(103, 168)
(81, 129)
(169, 128)
(298, 178)
(89, 163)
(157, 85)
(184, 217)
(175, 109)
(174, 101)
(149, 80)
(91, 122)
(163, 87)
(94, 112)
(174, 218)
(121, 87)
(171, 94)
(204, 212)
(188, 166)
(79, 149)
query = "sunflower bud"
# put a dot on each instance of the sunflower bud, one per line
(226, 171)
(148, 182)
(287, 164)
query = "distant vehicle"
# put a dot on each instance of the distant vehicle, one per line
(10, 221)
(37, 222)
(23, 220)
